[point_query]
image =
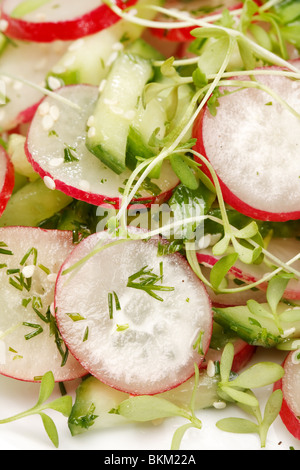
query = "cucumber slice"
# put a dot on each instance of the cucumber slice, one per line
(260, 329)
(148, 120)
(32, 204)
(115, 109)
(95, 401)
(86, 178)
(88, 60)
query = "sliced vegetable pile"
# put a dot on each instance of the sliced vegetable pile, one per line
(149, 211)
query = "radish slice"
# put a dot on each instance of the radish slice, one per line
(28, 343)
(148, 345)
(233, 298)
(34, 61)
(283, 248)
(65, 20)
(243, 351)
(252, 144)
(86, 178)
(7, 179)
(196, 9)
(290, 386)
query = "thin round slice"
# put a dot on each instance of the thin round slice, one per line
(30, 62)
(30, 342)
(7, 179)
(252, 143)
(195, 9)
(290, 386)
(56, 148)
(243, 351)
(284, 249)
(145, 320)
(48, 21)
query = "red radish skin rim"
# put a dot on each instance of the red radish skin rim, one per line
(238, 273)
(97, 199)
(72, 377)
(210, 261)
(90, 23)
(183, 34)
(112, 385)
(229, 197)
(291, 422)
(243, 353)
(8, 184)
(91, 198)
(242, 357)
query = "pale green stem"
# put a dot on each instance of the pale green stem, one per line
(168, 151)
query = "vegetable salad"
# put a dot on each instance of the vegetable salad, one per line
(150, 222)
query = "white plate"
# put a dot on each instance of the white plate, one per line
(29, 434)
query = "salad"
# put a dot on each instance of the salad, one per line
(150, 224)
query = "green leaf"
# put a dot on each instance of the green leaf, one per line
(258, 375)
(246, 54)
(246, 255)
(211, 32)
(226, 362)
(221, 246)
(50, 429)
(212, 57)
(275, 290)
(290, 315)
(247, 232)
(148, 408)
(62, 405)
(167, 68)
(261, 36)
(184, 172)
(47, 387)
(199, 78)
(252, 410)
(179, 434)
(221, 268)
(258, 309)
(240, 396)
(237, 425)
(272, 410)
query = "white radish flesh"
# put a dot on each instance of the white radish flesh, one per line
(7, 179)
(21, 358)
(65, 20)
(253, 145)
(34, 61)
(85, 178)
(290, 386)
(149, 345)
